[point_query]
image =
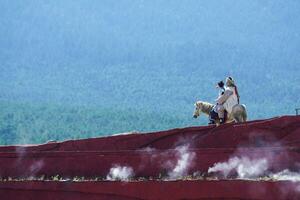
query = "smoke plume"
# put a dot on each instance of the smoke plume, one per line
(286, 175)
(185, 160)
(120, 173)
(244, 167)
(35, 167)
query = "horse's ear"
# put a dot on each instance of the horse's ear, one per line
(198, 103)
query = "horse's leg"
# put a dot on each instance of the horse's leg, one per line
(239, 117)
(230, 118)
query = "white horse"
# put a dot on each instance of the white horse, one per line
(238, 114)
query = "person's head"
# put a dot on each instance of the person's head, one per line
(220, 84)
(229, 82)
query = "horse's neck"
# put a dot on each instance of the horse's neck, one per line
(206, 108)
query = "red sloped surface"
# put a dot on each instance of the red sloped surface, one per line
(269, 132)
(235, 189)
(277, 139)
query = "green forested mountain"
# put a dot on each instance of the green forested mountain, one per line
(27, 123)
(91, 68)
(132, 98)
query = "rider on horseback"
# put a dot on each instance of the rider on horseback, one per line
(232, 96)
(218, 110)
(228, 98)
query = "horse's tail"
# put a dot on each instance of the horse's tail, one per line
(239, 113)
(245, 115)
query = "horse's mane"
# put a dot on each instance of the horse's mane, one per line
(206, 107)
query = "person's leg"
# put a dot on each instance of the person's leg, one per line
(220, 111)
(213, 115)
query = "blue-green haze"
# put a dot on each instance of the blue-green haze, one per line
(78, 69)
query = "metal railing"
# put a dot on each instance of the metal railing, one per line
(297, 111)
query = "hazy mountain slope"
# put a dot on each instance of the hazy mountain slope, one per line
(146, 57)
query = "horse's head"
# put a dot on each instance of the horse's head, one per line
(198, 108)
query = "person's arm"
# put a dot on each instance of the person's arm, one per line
(224, 97)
